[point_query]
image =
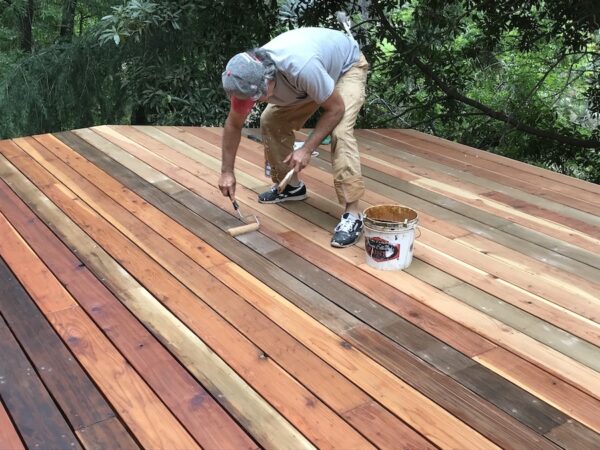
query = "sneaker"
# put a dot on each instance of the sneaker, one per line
(347, 231)
(290, 193)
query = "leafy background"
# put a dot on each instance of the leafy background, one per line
(515, 77)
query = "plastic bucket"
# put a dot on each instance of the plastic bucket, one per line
(389, 236)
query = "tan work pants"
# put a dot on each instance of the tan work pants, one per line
(279, 122)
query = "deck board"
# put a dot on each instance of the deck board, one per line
(116, 248)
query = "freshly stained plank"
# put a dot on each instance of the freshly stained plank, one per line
(147, 417)
(36, 416)
(72, 390)
(244, 318)
(189, 402)
(9, 437)
(261, 420)
(572, 435)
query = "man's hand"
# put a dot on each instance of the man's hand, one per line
(227, 184)
(299, 159)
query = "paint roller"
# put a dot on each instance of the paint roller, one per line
(236, 231)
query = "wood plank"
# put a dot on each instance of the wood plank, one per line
(572, 435)
(545, 386)
(257, 417)
(534, 210)
(146, 416)
(201, 415)
(571, 283)
(35, 415)
(433, 170)
(311, 416)
(274, 341)
(545, 173)
(514, 175)
(110, 430)
(74, 393)
(9, 437)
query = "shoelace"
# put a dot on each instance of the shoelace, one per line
(346, 225)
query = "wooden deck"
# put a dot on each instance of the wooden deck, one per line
(130, 318)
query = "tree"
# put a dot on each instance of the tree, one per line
(514, 76)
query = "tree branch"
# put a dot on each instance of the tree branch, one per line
(454, 94)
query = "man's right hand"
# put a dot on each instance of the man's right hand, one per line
(227, 184)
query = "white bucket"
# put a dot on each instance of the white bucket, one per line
(389, 236)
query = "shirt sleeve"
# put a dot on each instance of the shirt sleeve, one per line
(315, 81)
(242, 106)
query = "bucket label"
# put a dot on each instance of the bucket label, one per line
(381, 250)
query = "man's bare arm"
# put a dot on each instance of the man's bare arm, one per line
(232, 134)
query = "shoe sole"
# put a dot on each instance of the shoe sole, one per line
(336, 245)
(286, 199)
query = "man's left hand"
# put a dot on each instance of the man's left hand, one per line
(298, 159)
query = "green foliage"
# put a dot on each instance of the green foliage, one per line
(515, 77)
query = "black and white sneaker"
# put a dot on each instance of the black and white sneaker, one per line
(290, 193)
(348, 231)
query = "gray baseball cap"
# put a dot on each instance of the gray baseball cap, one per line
(245, 77)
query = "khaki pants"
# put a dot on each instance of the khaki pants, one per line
(279, 122)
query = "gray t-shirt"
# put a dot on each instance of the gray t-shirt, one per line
(309, 62)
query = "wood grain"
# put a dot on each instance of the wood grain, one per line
(189, 401)
(259, 418)
(137, 404)
(35, 415)
(9, 437)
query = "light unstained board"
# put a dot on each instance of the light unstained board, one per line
(539, 171)
(512, 175)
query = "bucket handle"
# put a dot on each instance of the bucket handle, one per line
(418, 230)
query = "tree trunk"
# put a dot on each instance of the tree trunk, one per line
(67, 24)
(25, 28)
